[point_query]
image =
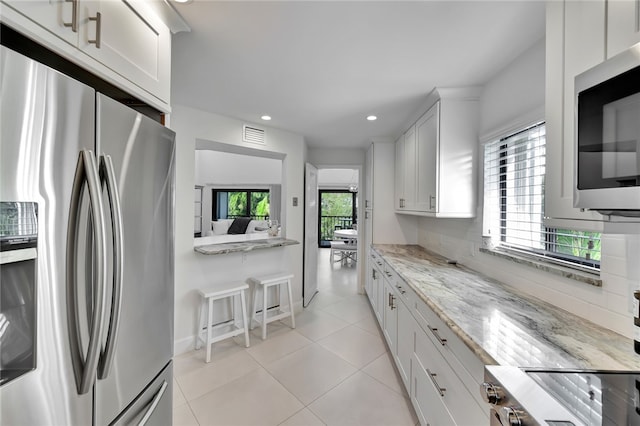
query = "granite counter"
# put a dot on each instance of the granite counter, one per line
(503, 325)
(243, 246)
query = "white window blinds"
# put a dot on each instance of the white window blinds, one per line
(514, 179)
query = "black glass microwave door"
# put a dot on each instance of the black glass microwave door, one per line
(17, 319)
(609, 133)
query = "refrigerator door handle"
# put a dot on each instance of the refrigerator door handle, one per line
(154, 404)
(108, 177)
(85, 367)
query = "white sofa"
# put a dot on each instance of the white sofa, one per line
(221, 226)
(256, 230)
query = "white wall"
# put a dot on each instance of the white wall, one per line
(194, 270)
(221, 168)
(337, 178)
(515, 92)
(327, 157)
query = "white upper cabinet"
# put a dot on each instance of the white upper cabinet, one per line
(439, 157)
(123, 42)
(400, 169)
(60, 17)
(134, 45)
(623, 25)
(406, 170)
(575, 38)
(579, 36)
(368, 184)
(426, 158)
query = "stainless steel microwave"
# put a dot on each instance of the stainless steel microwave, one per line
(607, 136)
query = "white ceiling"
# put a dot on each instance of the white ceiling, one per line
(320, 67)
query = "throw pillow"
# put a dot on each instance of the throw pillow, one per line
(239, 225)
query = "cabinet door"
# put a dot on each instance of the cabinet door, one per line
(623, 25)
(134, 45)
(390, 325)
(427, 160)
(399, 174)
(379, 289)
(405, 343)
(575, 42)
(53, 15)
(368, 194)
(410, 169)
(371, 285)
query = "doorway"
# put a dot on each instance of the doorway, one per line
(338, 210)
(335, 188)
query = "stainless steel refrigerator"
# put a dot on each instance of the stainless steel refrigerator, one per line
(102, 177)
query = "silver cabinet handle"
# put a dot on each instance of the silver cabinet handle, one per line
(108, 177)
(154, 404)
(387, 273)
(85, 367)
(432, 376)
(432, 202)
(98, 19)
(442, 340)
(399, 287)
(373, 274)
(392, 299)
(74, 16)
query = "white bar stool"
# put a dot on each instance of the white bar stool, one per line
(225, 330)
(262, 283)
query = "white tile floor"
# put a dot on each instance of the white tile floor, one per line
(333, 369)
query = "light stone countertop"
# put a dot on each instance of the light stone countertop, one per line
(243, 246)
(502, 325)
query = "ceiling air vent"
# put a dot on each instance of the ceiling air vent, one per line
(252, 134)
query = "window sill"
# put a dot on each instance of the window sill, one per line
(523, 259)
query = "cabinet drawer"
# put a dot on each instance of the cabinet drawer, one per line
(425, 398)
(466, 365)
(403, 290)
(377, 261)
(452, 392)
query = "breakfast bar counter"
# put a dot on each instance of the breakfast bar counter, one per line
(206, 246)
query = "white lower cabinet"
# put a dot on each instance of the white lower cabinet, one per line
(426, 399)
(390, 323)
(375, 286)
(405, 342)
(438, 386)
(440, 373)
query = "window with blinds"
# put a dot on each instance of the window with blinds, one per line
(514, 173)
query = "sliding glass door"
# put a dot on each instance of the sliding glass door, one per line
(338, 210)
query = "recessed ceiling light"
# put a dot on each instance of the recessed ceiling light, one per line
(183, 1)
(266, 117)
(372, 118)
